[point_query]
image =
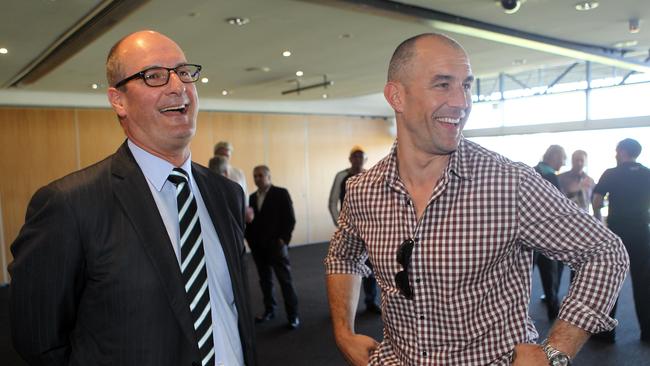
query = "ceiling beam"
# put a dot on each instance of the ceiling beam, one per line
(99, 20)
(469, 27)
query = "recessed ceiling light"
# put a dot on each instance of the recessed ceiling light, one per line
(586, 5)
(4, 51)
(204, 80)
(325, 96)
(94, 85)
(286, 53)
(237, 20)
(224, 92)
(299, 73)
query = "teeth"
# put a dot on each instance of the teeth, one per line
(173, 108)
(449, 120)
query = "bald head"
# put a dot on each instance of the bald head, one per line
(400, 63)
(126, 49)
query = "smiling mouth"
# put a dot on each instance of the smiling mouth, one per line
(178, 109)
(448, 120)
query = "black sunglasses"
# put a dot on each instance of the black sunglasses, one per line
(402, 277)
(159, 76)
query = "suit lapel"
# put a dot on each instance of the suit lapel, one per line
(133, 193)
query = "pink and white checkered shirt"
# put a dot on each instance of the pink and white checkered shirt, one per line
(471, 265)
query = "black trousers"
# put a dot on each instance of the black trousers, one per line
(550, 272)
(636, 239)
(270, 258)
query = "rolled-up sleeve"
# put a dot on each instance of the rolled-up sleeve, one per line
(347, 252)
(558, 229)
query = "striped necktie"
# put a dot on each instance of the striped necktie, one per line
(193, 269)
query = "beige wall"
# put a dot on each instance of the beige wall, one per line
(304, 152)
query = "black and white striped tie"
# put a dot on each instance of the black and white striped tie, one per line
(193, 268)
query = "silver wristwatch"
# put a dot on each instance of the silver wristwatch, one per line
(555, 357)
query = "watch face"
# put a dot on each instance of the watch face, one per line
(560, 360)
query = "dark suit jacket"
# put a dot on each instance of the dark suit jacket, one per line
(95, 280)
(274, 221)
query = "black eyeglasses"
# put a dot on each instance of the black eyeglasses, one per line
(159, 76)
(402, 277)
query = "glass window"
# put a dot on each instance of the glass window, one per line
(485, 115)
(620, 101)
(552, 108)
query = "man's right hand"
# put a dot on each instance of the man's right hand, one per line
(356, 348)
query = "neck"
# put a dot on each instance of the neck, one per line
(175, 157)
(418, 167)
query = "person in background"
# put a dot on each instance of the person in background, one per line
(220, 165)
(550, 271)
(575, 183)
(139, 258)
(225, 149)
(451, 228)
(628, 189)
(357, 159)
(268, 236)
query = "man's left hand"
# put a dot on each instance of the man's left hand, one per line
(529, 355)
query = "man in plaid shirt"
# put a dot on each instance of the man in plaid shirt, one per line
(450, 228)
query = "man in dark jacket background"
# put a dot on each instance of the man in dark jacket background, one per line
(268, 236)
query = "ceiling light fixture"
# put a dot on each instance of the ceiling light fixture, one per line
(634, 26)
(625, 44)
(224, 92)
(325, 96)
(299, 73)
(205, 80)
(586, 5)
(537, 45)
(94, 85)
(510, 6)
(4, 51)
(300, 88)
(286, 53)
(237, 21)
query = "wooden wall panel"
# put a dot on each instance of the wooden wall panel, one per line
(36, 146)
(100, 135)
(304, 153)
(330, 141)
(248, 135)
(287, 161)
(202, 143)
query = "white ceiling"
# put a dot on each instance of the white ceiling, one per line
(313, 31)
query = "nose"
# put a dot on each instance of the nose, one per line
(459, 97)
(175, 84)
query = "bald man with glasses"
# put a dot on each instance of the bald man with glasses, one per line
(138, 259)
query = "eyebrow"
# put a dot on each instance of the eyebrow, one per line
(442, 77)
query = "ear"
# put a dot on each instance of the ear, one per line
(393, 92)
(115, 97)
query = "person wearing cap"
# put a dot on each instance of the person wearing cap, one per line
(357, 159)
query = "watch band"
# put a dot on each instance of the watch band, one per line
(554, 356)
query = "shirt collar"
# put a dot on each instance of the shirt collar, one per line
(458, 163)
(155, 169)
